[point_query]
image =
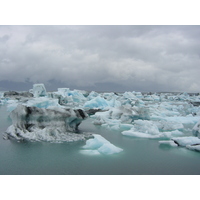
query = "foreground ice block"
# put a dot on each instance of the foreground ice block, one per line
(99, 145)
(39, 124)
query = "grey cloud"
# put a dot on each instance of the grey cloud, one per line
(128, 57)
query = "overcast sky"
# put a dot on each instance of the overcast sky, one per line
(102, 58)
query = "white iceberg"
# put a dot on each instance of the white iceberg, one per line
(68, 95)
(184, 141)
(38, 90)
(193, 147)
(137, 134)
(99, 145)
(148, 129)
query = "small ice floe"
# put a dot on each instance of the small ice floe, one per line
(185, 141)
(192, 143)
(196, 129)
(99, 145)
(193, 147)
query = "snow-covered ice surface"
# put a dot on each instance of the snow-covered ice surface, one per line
(162, 116)
(99, 145)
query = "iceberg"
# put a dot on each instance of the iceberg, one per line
(38, 90)
(97, 103)
(39, 124)
(68, 95)
(137, 134)
(99, 145)
(196, 129)
(184, 141)
(165, 125)
(92, 95)
(193, 147)
(149, 129)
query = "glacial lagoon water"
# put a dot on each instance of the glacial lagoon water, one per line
(139, 156)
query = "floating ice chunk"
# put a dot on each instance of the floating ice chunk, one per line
(193, 147)
(95, 143)
(169, 125)
(100, 144)
(149, 129)
(97, 102)
(109, 96)
(41, 124)
(92, 95)
(108, 148)
(124, 127)
(184, 141)
(146, 126)
(114, 103)
(38, 90)
(1, 94)
(130, 95)
(137, 134)
(184, 119)
(196, 129)
(168, 143)
(76, 95)
(63, 91)
(176, 133)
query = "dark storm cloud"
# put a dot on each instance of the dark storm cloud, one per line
(156, 58)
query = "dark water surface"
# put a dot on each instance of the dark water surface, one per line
(139, 156)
